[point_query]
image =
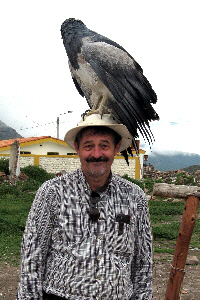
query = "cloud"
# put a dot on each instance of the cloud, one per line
(173, 123)
(35, 80)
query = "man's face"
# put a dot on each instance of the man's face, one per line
(96, 152)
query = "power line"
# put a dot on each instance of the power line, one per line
(49, 123)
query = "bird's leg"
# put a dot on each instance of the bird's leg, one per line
(85, 114)
(97, 103)
(99, 106)
(102, 106)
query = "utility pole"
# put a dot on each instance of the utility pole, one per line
(57, 127)
(58, 122)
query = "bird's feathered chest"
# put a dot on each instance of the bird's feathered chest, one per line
(90, 84)
(84, 72)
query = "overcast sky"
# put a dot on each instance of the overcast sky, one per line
(36, 85)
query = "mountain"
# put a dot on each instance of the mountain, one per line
(173, 160)
(192, 169)
(7, 132)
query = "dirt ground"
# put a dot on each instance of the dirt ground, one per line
(190, 288)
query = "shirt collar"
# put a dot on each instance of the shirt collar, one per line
(86, 184)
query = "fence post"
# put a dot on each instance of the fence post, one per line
(182, 246)
(14, 168)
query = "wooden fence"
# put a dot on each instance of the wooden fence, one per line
(191, 195)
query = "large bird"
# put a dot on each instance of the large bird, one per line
(109, 78)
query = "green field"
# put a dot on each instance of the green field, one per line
(15, 202)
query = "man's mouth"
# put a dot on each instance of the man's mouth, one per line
(99, 159)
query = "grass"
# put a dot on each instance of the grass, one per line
(166, 219)
(13, 214)
(15, 203)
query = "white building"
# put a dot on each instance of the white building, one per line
(54, 155)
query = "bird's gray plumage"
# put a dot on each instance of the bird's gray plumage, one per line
(105, 73)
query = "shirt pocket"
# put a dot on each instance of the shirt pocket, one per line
(123, 242)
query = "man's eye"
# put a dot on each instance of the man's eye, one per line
(104, 147)
(88, 147)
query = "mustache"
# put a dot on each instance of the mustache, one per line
(99, 159)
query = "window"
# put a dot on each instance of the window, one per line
(52, 153)
(25, 152)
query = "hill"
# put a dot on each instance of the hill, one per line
(7, 132)
(192, 169)
(173, 160)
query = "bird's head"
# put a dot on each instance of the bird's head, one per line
(72, 26)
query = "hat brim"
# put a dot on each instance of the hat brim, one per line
(119, 128)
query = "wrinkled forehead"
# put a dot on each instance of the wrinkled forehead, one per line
(95, 130)
(100, 131)
(91, 134)
(88, 131)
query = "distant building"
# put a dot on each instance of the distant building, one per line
(54, 155)
(43, 145)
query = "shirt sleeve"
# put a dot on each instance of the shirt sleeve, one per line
(35, 243)
(142, 263)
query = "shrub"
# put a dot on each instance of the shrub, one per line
(7, 188)
(137, 182)
(4, 165)
(149, 183)
(29, 186)
(159, 208)
(37, 173)
(183, 179)
(166, 231)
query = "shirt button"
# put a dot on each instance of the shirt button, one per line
(100, 257)
(100, 237)
(99, 278)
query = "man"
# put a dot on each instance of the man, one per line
(88, 233)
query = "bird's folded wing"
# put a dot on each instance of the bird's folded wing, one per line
(130, 88)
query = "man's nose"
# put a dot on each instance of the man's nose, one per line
(96, 152)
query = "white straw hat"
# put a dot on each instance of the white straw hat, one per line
(97, 120)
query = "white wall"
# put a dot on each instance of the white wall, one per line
(58, 164)
(43, 148)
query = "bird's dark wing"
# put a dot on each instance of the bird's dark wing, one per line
(130, 88)
(95, 37)
(78, 86)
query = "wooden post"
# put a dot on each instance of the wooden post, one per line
(14, 161)
(177, 271)
(182, 246)
(175, 191)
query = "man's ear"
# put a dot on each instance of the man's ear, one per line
(76, 147)
(117, 147)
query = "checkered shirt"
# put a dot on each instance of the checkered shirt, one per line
(66, 254)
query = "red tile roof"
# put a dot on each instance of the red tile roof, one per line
(7, 143)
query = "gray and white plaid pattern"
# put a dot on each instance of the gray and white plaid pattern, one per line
(66, 254)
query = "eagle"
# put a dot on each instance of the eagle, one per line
(109, 78)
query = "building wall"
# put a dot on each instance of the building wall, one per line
(44, 147)
(56, 164)
(26, 161)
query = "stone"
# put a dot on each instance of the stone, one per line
(192, 260)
